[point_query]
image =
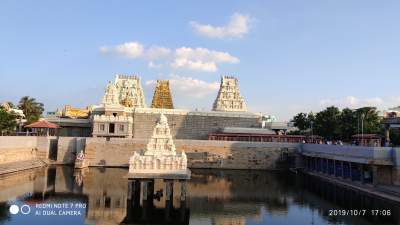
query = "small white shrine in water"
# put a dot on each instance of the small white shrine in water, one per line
(160, 157)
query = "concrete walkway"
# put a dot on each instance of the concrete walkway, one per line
(391, 193)
(19, 166)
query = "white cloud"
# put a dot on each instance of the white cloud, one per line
(198, 59)
(157, 52)
(353, 102)
(201, 59)
(236, 28)
(189, 86)
(136, 50)
(128, 49)
(153, 65)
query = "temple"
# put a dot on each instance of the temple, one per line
(162, 96)
(124, 114)
(126, 91)
(110, 95)
(113, 118)
(130, 91)
(229, 98)
(160, 156)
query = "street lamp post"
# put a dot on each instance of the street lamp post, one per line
(312, 133)
(362, 128)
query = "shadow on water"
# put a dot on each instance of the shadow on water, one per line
(214, 197)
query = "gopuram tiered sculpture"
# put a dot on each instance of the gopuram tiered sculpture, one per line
(162, 97)
(126, 91)
(229, 98)
(160, 156)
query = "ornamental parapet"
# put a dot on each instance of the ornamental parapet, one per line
(159, 111)
(104, 118)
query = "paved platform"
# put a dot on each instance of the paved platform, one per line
(20, 166)
(391, 193)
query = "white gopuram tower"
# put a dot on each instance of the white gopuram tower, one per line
(229, 98)
(111, 95)
(160, 156)
(130, 91)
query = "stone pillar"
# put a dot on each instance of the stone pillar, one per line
(315, 164)
(342, 169)
(326, 169)
(183, 200)
(145, 187)
(150, 191)
(145, 203)
(351, 172)
(130, 190)
(136, 193)
(387, 134)
(183, 191)
(169, 198)
(361, 168)
(321, 166)
(375, 175)
(334, 167)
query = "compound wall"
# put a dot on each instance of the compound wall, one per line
(201, 154)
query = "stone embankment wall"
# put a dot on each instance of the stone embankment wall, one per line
(22, 148)
(191, 125)
(14, 149)
(201, 154)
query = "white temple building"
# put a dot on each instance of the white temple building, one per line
(229, 98)
(126, 91)
(160, 156)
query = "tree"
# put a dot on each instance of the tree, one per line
(369, 121)
(332, 123)
(32, 109)
(300, 121)
(303, 121)
(327, 123)
(7, 121)
(348, 124)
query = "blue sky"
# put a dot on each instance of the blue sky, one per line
(289, 56)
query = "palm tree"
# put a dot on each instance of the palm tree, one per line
(32, 109)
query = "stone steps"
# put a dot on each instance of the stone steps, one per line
(19, 166)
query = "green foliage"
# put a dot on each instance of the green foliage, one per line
(32, 109)
(303, 121)
(370, 118)
(7, 121)
(333, 123)
(348, 124)
(327, 123)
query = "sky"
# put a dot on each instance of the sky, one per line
(289, 56)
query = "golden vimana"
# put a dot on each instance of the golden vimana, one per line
(162, 96)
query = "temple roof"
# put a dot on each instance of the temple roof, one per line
(43, 124)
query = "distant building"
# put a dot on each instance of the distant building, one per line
(21, 119)
(76, 113)
(391, 120)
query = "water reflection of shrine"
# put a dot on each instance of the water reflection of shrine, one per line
(157, 201)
